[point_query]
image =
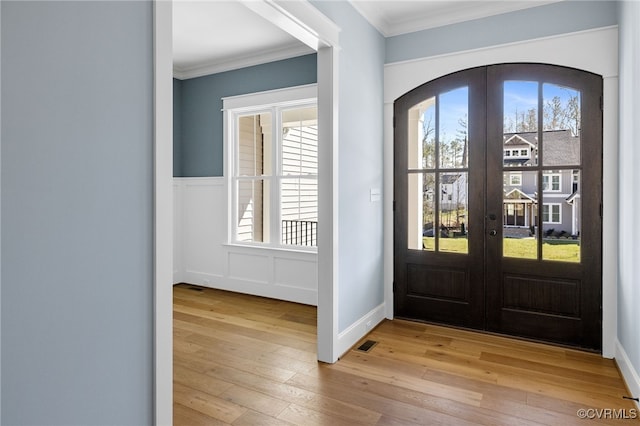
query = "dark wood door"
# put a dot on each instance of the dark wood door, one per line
(472, 147)
(439, 200)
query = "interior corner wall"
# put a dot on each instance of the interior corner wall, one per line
(542, 21)
(200, 139)
(629, 179)
(177, 127)
(360, 108)
(77, 213)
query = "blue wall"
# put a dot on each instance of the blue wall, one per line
(360, 153)
(201, 141)
(542, 21)
(77, 192)
(177, 127)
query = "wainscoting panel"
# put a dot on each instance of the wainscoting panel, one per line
(203, 255)
(250, 267)
(296, 273)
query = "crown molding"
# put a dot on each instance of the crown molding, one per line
(428, 19)
(185, 73)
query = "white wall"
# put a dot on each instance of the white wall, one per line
(628, 344)
(203, 256)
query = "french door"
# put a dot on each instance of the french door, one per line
(497, 202)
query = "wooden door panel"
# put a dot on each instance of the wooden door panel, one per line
(443, 282)
(438, 283)
(544, 298)
(530, 181)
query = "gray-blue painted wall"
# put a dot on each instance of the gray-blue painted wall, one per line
(76, 175)
(360, 141)
(177, 127)
(201, 145)
(542, 21)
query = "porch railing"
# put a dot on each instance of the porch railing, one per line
(300, 232)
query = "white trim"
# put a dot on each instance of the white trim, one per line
(430, 18)
(322, 33)
(328, 241)
(360, 328)
(550, 175)
(629, 374)
(273, 102)
(289, 95)
(521, 138)
(163, 213)
(207, 260)
(519, 200)
(601, 57)
(610, 216)
(0, 217)
(184, 73)
(550, 214)
(298, 18)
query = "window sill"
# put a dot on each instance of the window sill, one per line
(296, 250)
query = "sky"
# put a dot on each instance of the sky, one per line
(518, 96)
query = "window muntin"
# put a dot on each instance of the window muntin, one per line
(274, 173)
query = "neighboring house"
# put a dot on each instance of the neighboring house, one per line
(560, 187)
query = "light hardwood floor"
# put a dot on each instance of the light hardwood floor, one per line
(245, 360)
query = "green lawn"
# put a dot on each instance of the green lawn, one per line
(523, 248)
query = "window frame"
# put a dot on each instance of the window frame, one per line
(549, 213)
(275, 102)
(550, 175)
(513, 176)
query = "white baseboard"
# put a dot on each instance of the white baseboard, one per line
(629, 373)
(359, 329)
(280, 292)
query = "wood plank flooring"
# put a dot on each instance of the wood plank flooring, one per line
(245, 360)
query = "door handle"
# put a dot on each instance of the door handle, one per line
(493, 232)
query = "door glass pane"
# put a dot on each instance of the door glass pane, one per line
(421, 211)
(422, 135)
(561, 125)
(561, 217)
(253, 221)
(454, 208)
(519, 214)
(520, 128)
(452, 128)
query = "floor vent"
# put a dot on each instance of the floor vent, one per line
(367, 346)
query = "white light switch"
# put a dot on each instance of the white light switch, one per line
(375, 195)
